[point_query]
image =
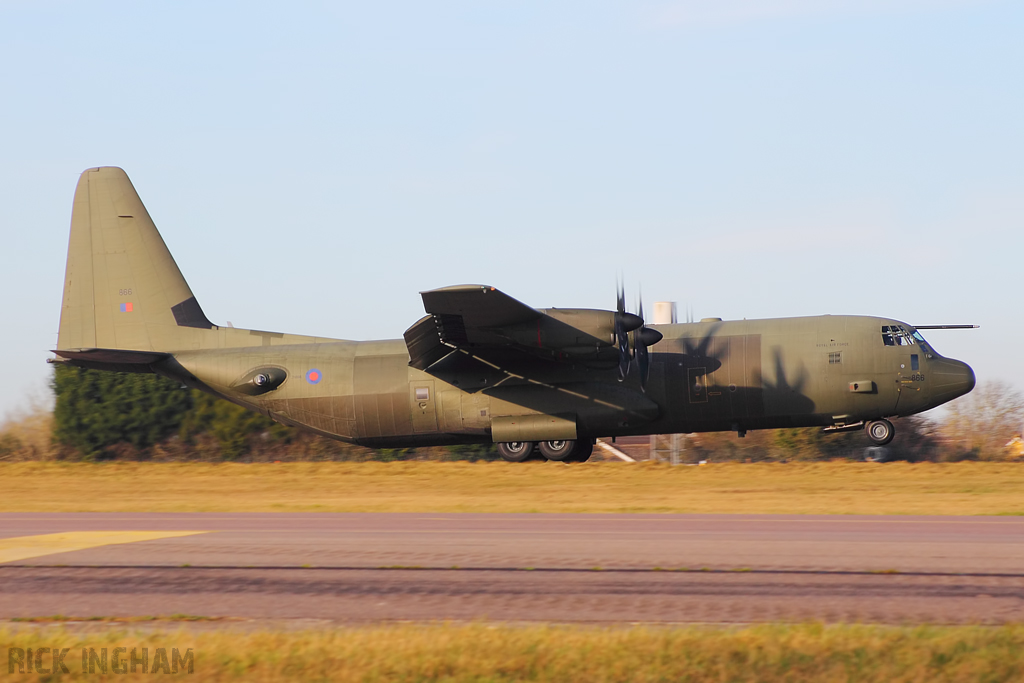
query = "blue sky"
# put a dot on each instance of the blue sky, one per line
(313, 166)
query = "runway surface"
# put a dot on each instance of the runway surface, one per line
(572, 568)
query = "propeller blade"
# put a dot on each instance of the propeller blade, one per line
(622, 342)
(624, 324)
(643, 362)
(624, 361)
(640, 349)
(643, 338)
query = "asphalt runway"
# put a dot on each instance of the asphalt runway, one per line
(529, 567)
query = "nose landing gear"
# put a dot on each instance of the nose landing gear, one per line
(880, 431)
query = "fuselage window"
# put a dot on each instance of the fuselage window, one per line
(897, 335)
(915, 365)
(836, 357)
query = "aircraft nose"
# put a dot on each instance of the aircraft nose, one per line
(950, 378)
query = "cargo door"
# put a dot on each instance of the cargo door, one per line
(903, 356)
(909, 379)
(424, 406)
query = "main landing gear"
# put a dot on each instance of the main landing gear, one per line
(579, 450)
(880, 431)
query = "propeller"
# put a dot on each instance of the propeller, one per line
(624, 324)
(644, 337)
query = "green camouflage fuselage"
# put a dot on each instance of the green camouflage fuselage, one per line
(738, 375)
(481, 366)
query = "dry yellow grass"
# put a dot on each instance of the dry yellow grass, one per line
(478, 652)
(795, 488)
(27, 434)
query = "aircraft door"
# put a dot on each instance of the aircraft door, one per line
(424, 406)
(909, 379)
(906, 358)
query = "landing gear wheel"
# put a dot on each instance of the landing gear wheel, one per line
(558, 451)
(880, 431)
(515, 451)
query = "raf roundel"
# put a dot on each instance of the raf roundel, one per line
(314, 376)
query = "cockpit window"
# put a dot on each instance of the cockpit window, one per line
(897, 335)
(923, 344)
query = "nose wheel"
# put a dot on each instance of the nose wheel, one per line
(880, 431)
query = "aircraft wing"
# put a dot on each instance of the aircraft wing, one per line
(462, 316)
(492, 325)
(479, 306)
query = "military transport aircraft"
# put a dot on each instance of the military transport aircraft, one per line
(482, 366)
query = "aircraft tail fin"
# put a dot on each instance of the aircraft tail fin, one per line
(122, 288)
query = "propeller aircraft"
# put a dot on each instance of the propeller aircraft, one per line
(482, 367)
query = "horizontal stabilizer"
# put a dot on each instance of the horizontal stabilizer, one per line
(112, 356)
(117, 360)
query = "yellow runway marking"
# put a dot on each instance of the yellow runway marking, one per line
(25, 547)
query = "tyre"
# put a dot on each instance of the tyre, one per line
(515, 451)
(558, 451)
(880, 431)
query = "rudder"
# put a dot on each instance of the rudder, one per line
(122, 288)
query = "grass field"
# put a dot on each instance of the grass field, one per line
(479, 652)
(796, 488)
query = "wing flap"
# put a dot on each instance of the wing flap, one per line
(424, 343)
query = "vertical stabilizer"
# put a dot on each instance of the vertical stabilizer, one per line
(122, 289)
